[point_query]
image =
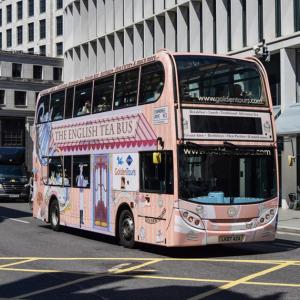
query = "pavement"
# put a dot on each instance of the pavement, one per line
(289, 220)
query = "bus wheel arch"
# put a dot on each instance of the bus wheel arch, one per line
(124, 228)
(54, 213)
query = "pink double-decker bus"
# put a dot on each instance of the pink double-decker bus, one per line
(176, 149)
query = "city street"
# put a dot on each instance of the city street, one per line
(38, 263)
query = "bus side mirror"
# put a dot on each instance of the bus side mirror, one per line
(291, 160)
(156, 158)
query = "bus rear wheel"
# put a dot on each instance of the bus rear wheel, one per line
(126, 229)
(54, 215)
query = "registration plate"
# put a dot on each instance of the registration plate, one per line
(231, 238)
(13, 196)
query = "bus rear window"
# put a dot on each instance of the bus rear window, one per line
(219, 80)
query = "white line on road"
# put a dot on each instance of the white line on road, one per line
(16, 220)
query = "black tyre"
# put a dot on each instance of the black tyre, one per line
(126, 229)
(54, 215)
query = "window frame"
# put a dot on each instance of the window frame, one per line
(75, 104)
(88, 157)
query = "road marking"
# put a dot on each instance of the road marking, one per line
(240, 281)
(17, 263)
(117, 267)
(16, 220)
(212, 280)
(250, 261)
(31, 270)
(137, 267)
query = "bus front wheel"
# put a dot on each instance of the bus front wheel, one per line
(126, 229)
(54, 215)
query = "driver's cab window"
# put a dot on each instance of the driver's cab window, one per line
(156, 172)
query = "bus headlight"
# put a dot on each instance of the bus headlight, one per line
(267, 216)
(191, 219)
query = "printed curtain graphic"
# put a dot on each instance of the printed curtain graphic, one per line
(101, 192)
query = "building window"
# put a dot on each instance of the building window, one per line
(0, 17)
(59, 4)
(19, 35)
(20, 10)
(30, 8)
(273, 71)
(43, 50)
(244, 16)
(20, 98)
(37, 72)
(8, 37)
(57, 74)
(260, 20)
(13, 132)
(42, 29)
(42, 6)
(30, 50)
(59, 49)
(2, 97)
(59, 25)
(0, 40)
(214, 27)
(8, 14)
(297, 15)
(30, 32)
(229, 25)
(278, 17)
(16, 70)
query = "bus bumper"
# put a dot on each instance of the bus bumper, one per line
(185, 235)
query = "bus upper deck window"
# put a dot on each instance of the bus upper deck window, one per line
(126, 89)
(57, 106)
(83, 99)
(103, 93)
(43, 110)
(152, 83)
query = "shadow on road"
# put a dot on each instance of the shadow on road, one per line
(104, 286)
(278, 245)
(6, 213)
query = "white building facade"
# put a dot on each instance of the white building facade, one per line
(102, 34)
(33, 26)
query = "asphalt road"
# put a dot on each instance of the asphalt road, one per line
(38, 263)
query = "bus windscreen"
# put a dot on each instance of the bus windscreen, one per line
(217, 80)
(226, 175)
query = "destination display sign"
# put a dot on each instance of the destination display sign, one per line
(227, 125)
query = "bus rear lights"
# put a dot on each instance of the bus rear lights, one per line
(262, 220)
(267, 217)
(190, 219)
(272, 212)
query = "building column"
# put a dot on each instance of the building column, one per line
(288, 97)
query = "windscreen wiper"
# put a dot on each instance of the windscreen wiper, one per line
(230, 145)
